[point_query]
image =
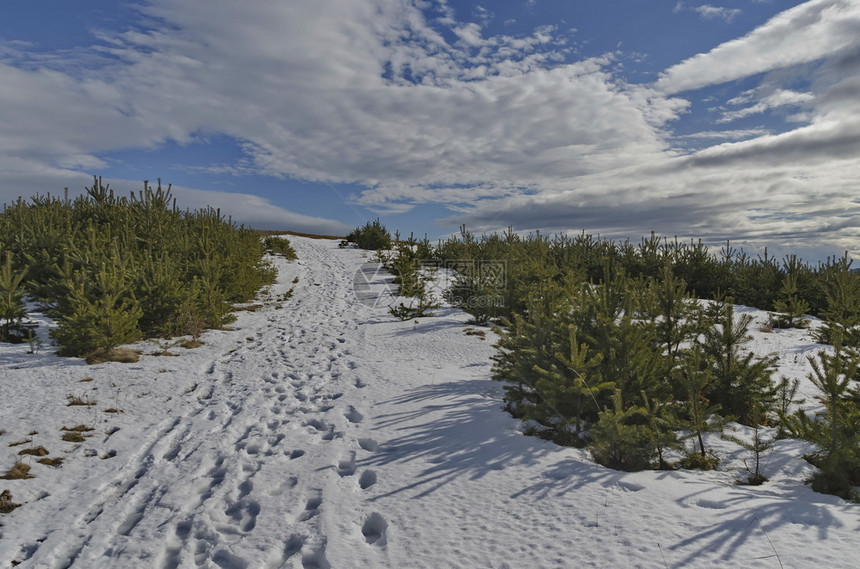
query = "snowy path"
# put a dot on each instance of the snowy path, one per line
(243, 474)
(326, 435)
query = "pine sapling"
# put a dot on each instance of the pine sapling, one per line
(695, 379)
(759, 445)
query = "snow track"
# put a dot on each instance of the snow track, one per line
(249, 474)
(324, 434)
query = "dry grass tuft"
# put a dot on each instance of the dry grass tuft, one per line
(73, 437)
(19, 471)
(78, 429)
(55, 462)
(76, 400)
(87, 379)
(6, 503)
(37, 451)
(19, 443)
(191, 344)
(113, 410)
(121, 355)
(473, 332)
(74, 434)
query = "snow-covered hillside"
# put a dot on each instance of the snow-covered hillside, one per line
(322, 433)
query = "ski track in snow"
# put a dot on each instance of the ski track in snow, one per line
(326, 435)
(214, 486)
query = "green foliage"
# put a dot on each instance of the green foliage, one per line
(102, 314)
(836, 429)
(608, 318)
(114, 269)
(606, 341)
(530, 342)
(841, 288)
(752, 281)
(373, 236)
(412, 279)
(694, 460)
(695, 378)
(565, 391)
(630, 438)
(758, 445)
(839, 473)
(280, 246)
(789, 306)
(674, 312)
(785, 397)
(739, 382)
(576, 345)
(12, 308)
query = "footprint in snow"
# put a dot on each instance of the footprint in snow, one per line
(311, 506)
(374, 529)
(346, 466)
(353, 416)
(368, 478)
(244, 513)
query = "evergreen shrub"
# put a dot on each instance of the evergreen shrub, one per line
(116, 269)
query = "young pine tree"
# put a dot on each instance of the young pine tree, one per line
(529, 342)
(759, 444)
(630, 438)
(738, 380)
(100, 317)
(12, 308)
(695, 379)
(790, 308)
(836, 429)
(676, 315)
(569, 391)
(842, 315)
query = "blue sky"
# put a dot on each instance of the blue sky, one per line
(734, 120)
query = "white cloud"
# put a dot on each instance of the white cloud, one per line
(777, 99)
(736, 134)
(709, 12)
(257, 212)
(328, 114)
(499, 128)
(470, 34)
(805, 33)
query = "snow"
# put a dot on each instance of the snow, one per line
(324, 433)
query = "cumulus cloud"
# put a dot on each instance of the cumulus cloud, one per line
(805, 33)
(793, 208)
(255, 211)
(385, 101)
(735, 134)
(709, 12)
(502, 129)
(777, 99)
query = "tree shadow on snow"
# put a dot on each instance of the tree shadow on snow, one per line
(460, 430)
(747, 515)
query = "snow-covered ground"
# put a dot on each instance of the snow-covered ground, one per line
(326, 434)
